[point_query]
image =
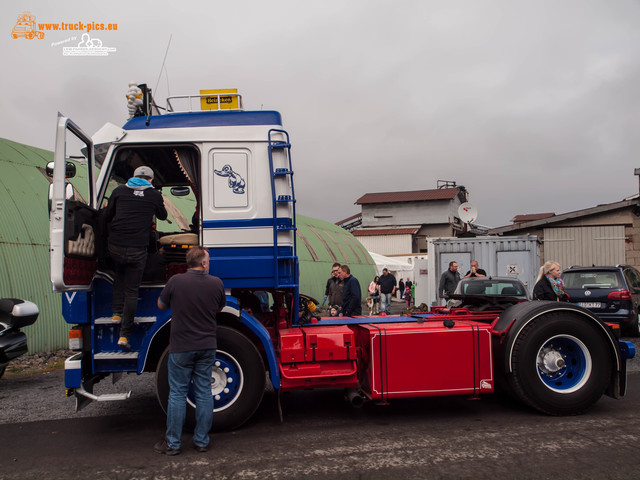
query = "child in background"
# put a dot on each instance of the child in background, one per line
(408, 294)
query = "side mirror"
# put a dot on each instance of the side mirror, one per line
(69, 169)
(180, 191)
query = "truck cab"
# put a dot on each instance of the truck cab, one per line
(226, 179)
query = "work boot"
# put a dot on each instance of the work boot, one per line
(164, 449)
(200, 449)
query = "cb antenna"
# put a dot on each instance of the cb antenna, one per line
(166, 52)
(162, 67)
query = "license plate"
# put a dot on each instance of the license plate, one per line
(590, 304)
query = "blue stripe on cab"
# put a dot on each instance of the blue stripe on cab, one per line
(205, 119)
(246, 223)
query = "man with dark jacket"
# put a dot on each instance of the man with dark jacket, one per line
(351, 294)
(333, 289)
(449, 280)
(129, 214)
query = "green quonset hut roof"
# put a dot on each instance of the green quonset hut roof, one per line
(24, 244)
(320, 245)
(24, 241)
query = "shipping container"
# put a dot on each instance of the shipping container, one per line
(517, 257)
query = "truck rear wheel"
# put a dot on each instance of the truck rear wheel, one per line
(561, 364)
(237, 381)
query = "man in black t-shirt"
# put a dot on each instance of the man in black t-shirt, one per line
(195, 298)
(475, 271)
(387, 284)
(130, 214)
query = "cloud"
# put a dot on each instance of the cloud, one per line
(531, 105)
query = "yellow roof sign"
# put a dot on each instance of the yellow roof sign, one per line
(227, 102)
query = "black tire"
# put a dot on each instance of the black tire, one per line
(2, 369)
(238, 359)
(561, 364)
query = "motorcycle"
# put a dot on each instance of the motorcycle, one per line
(14, 315)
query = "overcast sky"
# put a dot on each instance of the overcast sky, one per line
(534, 106)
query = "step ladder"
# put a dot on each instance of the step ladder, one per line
(284, 212)
(108, 356)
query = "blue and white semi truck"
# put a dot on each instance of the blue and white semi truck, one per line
(227, 180)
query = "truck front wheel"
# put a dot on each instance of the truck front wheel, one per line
(561, 364)
(237, 381)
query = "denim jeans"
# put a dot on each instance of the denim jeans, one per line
(129, 267)
(386, 302)
(183, 368)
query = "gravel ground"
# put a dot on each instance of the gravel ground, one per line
(37, 363)
(32, 389)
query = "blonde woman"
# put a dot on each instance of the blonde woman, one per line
(549, 285)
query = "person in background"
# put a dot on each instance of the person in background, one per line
(351, 294)
(387, 284)
(475, 271)
(333, 289)
(374, 289)
(401, 287)
(449, 280)
(408, 295)
(129, 215)
(549, 285)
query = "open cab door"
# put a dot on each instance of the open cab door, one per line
(73, 219)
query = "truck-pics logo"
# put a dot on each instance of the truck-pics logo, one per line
(26, 27)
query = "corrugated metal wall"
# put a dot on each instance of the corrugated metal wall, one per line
(568, 246)
(24, 244)
(24, 241)
(499, 256)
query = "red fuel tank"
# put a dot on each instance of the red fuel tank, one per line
(425, 359)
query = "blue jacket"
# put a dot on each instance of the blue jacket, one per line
(351, 297)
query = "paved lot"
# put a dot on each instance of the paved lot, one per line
(323, 437)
